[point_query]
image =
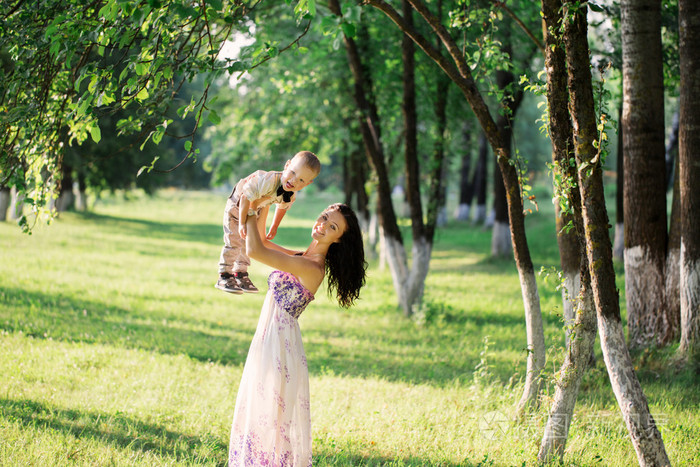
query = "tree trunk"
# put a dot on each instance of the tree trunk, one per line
(672, 268)
(459, 72)
(500, 237)
(671, 154)
(81, 196)
(645, 436)
(437, 216)
(568, 379)
(500, 231)
(619, 244)
(5, 198)
(65, 199)
(645, 180)
(579, 310)
(561, 132)
(347, 180)
(421, 243)
(16, 205)
(408, 284)
(689, 171)
(479, 181)
(466, 187)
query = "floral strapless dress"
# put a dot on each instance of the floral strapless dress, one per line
(271, 421)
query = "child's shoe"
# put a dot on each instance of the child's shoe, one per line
(244, 282)
(228, 283)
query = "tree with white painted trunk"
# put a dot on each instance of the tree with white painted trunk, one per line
(619, 242)
(645, 436)
(650, 319)
(500, 232)
(5, 198)
(479, 181)
(689, 171)
(456, 67)
(579, 310)
(473, 190)
(466, 187)
(408, 280)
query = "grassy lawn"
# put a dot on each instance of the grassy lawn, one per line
(115, 349)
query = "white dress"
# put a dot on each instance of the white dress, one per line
(271, 421)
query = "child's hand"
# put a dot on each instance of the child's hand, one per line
(271, 233)
(242, 231)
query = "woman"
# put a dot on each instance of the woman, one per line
(271, 422)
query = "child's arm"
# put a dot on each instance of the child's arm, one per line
(243, 207)
(262, 219)
(279, 214)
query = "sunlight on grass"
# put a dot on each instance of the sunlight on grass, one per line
(115, 349)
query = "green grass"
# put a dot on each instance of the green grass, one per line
(115, 349)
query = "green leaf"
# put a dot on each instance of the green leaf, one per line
(158, 135)
(214, 117)
(142, 95)
(95, 133)
(329, 24)
(93, 83)
(55, 45)
(188, 146)
(348, 29)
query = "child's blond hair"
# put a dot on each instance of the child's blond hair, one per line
(310, 160)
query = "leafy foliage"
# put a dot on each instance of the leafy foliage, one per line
(67, 64)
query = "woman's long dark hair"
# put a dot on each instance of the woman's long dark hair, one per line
(345, 261)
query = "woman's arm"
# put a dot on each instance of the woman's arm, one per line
(309, 272)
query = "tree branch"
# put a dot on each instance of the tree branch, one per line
(458, 71)
(502, 5)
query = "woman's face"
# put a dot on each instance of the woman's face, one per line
(329, 227)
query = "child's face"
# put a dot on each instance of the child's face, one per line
(296, 175)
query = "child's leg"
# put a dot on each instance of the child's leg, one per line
(233, 245)
(240, 272)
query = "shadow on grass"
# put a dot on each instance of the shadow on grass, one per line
(206, 233)
(117, 430)
(127, 433)
(389, 350)
(382, 351)
(74, 320)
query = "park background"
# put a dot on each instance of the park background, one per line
(117, 350)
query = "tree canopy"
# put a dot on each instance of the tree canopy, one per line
(70, 66)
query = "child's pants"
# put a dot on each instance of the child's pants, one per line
(233, 257)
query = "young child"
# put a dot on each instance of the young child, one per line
(253, 195)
